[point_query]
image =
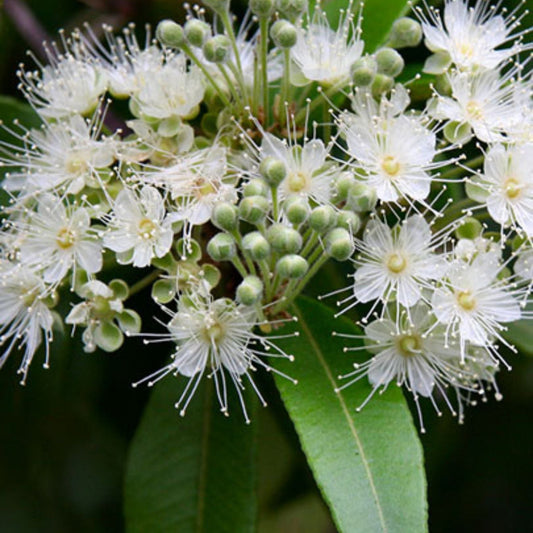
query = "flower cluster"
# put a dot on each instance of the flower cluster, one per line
(227, 167)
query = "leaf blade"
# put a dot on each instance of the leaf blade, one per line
(345, 450)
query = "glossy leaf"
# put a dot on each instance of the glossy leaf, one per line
(368, 465)
(191, 474)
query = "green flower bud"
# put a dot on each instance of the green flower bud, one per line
(349, 220)
(283, 239)
(322, 218)
(253, 209)
(256, 245)
(339, 244)
(382, 84)
(255, 187)
(362, 198)
(170, 33)
(283, 34)
(469, 228)
(405, 33)
(250, 290)
(273, 170)
(292, 9)
(296, 208)
(225, 216)
(389, 62)
(343, 184)
(292, 266)
(364, 71)
(163, 291)
(217, 49)
(108, 337)
(222, 247)
(262, 8)
(197, 31)
(218, 6)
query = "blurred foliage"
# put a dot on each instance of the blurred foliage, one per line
(64, 437)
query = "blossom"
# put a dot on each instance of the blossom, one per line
(470, 37)
(324, 55)
(391, 151)
(138, 228)
(24, 317)
(396, 262)
(215, 338)
(506, 185)
(58, 238)
(408, 351)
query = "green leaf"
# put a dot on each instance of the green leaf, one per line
(378, 17)
(368, 465)
(12, 109)
(191, 474)
(519, 334)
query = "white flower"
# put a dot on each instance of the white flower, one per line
(506, 186)
(324, 55)
(473, 303)
(71, 84)
(391, 151)
(63, 155)
(483, 101)
(174, 91)
(24, 318)
(58, 238)
(523, 266)
(470, 37)
(197, 181)
(138, 229)
(409, 351)
(215, 338)
(398, 262)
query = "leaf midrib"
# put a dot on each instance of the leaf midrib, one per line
(346, 412)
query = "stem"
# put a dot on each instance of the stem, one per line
(285, 83)
(263, 28)
(237, 263)
(228, 26)
(144, 282)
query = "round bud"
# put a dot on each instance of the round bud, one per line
(283, 34)
(170, 33)
(222, 247)
(255, 187)
(364, 71)
(292, 266)
(469, 228)
(322, 218)
(225, 216)
(389, 62)
(218, 6)
(253, 209)
(256, 245)
(405, 33)
(250, 290)
(339, 244)
(283, 239)
(343, 184)
(362, 198)
(197, 31)
(291, 8)
(217, 49)
(273, 170)
(296, 208)
(382, 84)
(349, 221)
(262, 8)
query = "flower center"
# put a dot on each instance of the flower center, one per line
(474, 110)
(512, 188)
(409, 345)
(203, 187)
(390, 165)
(29, 296)
(65, 238)
(76, 165)
(396, 263)
(297, 181)
(466, 300)
(466, 50)
(146, 228)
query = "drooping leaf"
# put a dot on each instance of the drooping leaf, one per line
(368, 465)
(192, 474)
(12, 109)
